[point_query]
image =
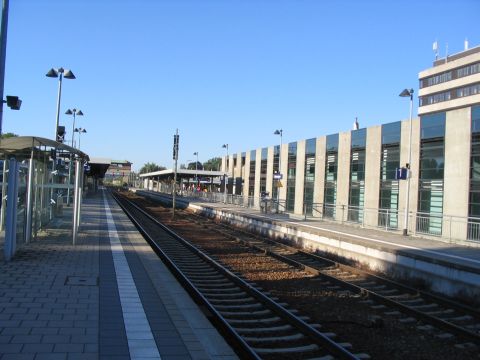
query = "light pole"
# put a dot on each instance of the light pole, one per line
(225, 177)
(73, 112)
(196, 169)
(279, 132)
(408, 93)
(80, 131)
(59, 73)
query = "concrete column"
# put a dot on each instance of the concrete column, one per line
(258, 163)
(299, 178)
(456, 172)
(372, 175)
(270, 170)
(343, 175)
(319, 185)
(414, 171)
(284, 172)
(246, 179)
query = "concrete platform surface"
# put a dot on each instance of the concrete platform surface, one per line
(107, 297)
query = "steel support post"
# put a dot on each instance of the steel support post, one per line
(76, 199)
(29, 205)
(11, 213)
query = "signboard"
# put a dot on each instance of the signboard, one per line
(401, 173)
(277, 176)
(278, 184)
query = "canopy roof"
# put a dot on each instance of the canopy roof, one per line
(19, 144)
(182, 173)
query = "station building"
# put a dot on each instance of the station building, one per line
(350, 177)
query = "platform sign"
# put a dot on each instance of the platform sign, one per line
(401, 173)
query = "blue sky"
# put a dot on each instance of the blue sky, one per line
(221, 71)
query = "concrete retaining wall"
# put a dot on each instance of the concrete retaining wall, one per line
(435, 275)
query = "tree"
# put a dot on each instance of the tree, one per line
(212, 164)
(8, 135)
(191, 166)
(150, 167)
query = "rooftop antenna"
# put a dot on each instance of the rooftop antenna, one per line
(435, 49)
(465, 44)
(356, 125)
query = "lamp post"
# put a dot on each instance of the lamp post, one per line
(225, 146)
(80, 131)
(408, 93)
(59, 73)
(73, 112)
(279, 132)
(196, 169)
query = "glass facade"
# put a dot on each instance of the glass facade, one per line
(474, 195)
(251, 177)
(263, 171)
(291, 176)
(389, 162)
(331, 166)
(276, 169)
(356, 198)
(309, 178)
(432, 159)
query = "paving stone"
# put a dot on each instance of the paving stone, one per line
(55, 339)
(10, 348)
(37, 348)
(18, 356)
(67, 347)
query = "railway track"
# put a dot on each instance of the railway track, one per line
(450, 319)
(256, 324)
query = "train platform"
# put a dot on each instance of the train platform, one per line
(107, 297)
(449, 268)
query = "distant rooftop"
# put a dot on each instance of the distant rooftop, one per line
(457, 56)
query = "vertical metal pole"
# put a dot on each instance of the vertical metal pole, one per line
(4, 197)
(60, 76)
(3, 51)
(175, 175)
(28, 222)
(407, 200)
(226, 176)
(80, 195)
(70, 163)
(279, 169)
(11, 213)
(75, 202)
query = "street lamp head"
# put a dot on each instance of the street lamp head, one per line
(407, 93)
(68, 75)
(80, 130)
(278, 132)
(79, 113)
(195, 153)
(52, 73)
(68, 112)
(225, 146)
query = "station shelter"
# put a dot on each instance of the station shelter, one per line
(39, 177)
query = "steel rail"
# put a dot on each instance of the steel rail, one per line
(318, 337)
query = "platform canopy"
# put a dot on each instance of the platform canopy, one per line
(99, 166)
(182, 173)
(21, 146)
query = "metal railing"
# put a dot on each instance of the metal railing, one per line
(451, 228)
